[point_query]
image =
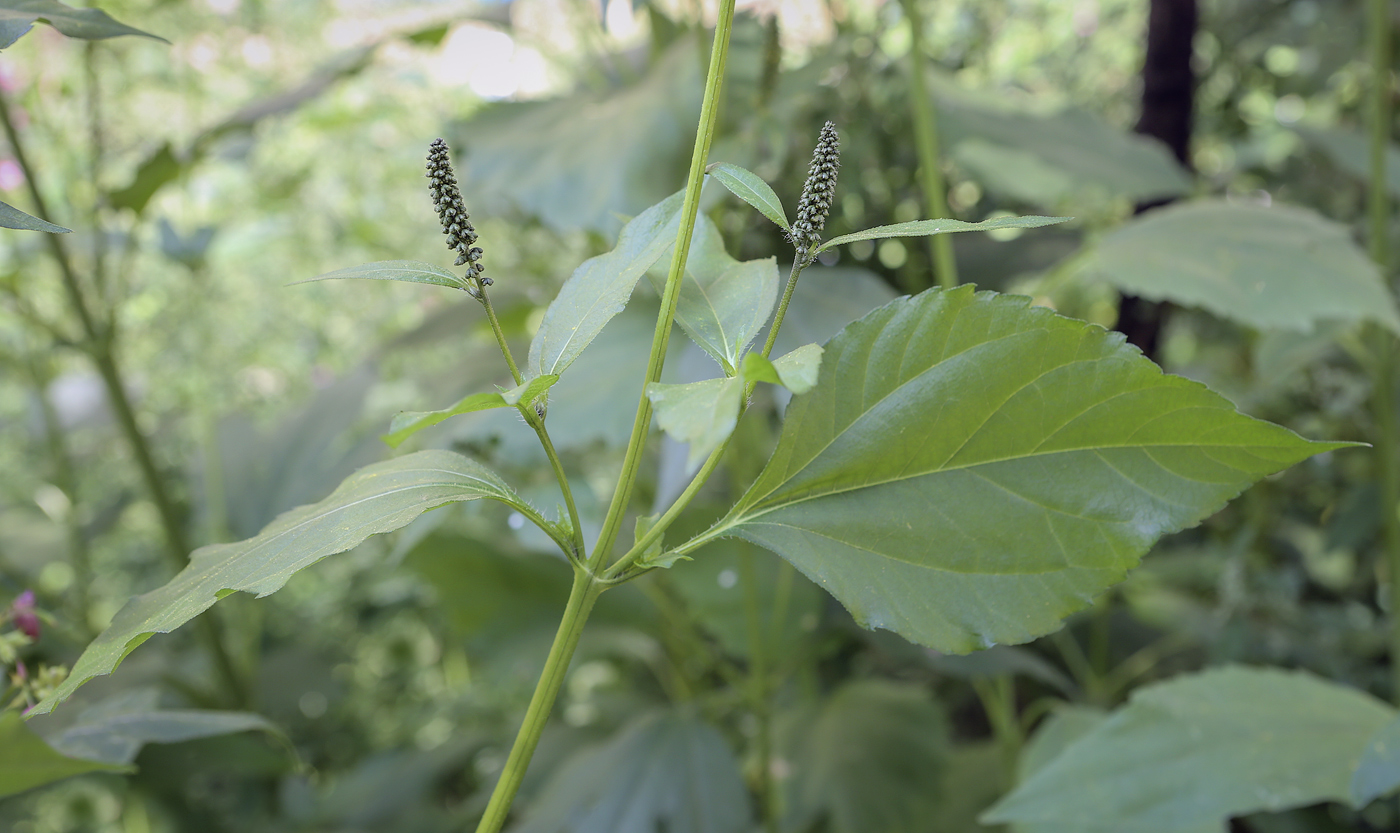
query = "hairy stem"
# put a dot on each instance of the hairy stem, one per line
(709, 112)
(582, 596)
(926, 143)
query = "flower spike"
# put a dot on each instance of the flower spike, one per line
(456, 223)
(817, 192)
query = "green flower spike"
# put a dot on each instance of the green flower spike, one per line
(818, 190)
(456, 223)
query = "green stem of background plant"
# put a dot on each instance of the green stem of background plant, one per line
(1383, 349)
(98, 345)
(945, 267)
(641, 426)
(582, 596)
(758, 694)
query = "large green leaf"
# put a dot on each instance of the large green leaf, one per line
(750, 188)
(115, 730)
(27, 762)
(378, 498)
(409, 271)
(723, 303)
(11, 217)
(970, 469)
(1264, 267)
(868, 760)
(600, 287)
(16, 16)
(1186, 754)
(924, 228)
(665, 771)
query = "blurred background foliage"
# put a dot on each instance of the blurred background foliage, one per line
(270, 142)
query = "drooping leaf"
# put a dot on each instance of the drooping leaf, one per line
(797, 371)
(723, 303)
(28, 762)
(378, 498)
(867, 760)
(1350, 151)
(748, 187)
(158, 169)
(1265, 267)
(1379, 770)
(1186, 754)
(114, 731)
(970, 469)
(408, 271)
(702, 414)
(924, 228)
(11, 217)
(600, 288)
(16, 16)
(408, 423)
(665, 771)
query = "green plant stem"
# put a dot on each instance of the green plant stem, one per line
(98, 345)
(945, 267)
(641, 425)
(618, 571)
(500, 336)
(1383, 342)
(537, 423)
(798, 264)
(582, 597)
(758, 694)
(67, 482)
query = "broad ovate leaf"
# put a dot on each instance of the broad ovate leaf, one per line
(27, 761)
(408, 423)
(970, 469)
(748, 187)
(1186, 754)
(702, 414)
(11, 217)
(1265, 267)
(924, 228)
(16, 16)
(797, 371)
(723, 302)
(664, 771)
(600, 287)
(376, 499)
(408, 271)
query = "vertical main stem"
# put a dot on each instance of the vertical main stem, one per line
(1383, 382)
(582, 596)
(945, 267)
(709, 112)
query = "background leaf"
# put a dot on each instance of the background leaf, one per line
(409, 271)
(924, 228)
(28, 762)
(600, 288)
(11, 217)
(1188, 753)
(378, 498)
(409, 423)
(946, 477)
(1265, 267)
(1379, 770)
(665, 771)
(748, 187)
(16, 16)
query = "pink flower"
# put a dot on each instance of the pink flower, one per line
(25, 618)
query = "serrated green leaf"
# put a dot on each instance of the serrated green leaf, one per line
(1265, 267)
(115, 730)
(1186, 754)
(28, 762)
(664, 771)
(11, 217)
(16, 16)
(797, 371)
(969, 469)
(600, 288)
(408, 271)
(748, 187)
(924, 228)
(408, 423)
(723, 303)
(1379, 770)
(866, 761)
(702, 414)
(376, 499)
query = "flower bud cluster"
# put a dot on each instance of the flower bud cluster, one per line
(819, 189)
(456, 223)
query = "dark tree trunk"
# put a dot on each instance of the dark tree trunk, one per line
(1168, 100)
